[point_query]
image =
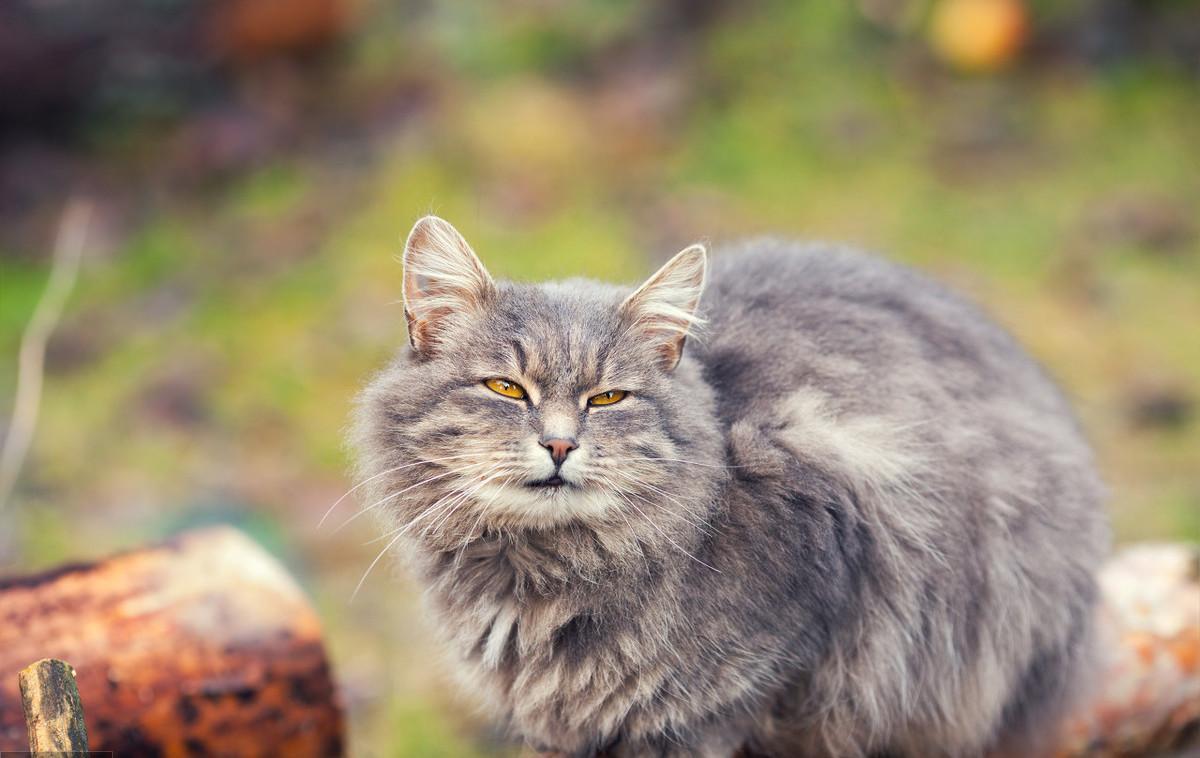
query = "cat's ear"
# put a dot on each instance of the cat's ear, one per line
(443, 280)
(663, 310)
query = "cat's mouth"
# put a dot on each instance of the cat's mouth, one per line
(552, 482)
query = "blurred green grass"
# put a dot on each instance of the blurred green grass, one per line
(207, 364)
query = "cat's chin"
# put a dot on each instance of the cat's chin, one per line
(544, 504)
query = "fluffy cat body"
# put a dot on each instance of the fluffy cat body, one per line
(852, 518)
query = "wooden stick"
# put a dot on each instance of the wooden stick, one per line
(53, 711)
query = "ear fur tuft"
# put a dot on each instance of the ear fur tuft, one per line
(663, 309)
(443, 278)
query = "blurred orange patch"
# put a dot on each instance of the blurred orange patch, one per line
(978, 35)
(246, 30)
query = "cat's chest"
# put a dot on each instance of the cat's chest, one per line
(554, 668)
(556, 651)
(518, 642)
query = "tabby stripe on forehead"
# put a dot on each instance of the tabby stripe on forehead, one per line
(522, 359)
(599, 359)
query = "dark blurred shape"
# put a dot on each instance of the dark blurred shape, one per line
(77, 345)
(218, 142)
(893, 15)
(65, 61)
(61, 61)
(133, 99)
(1159, 405)
(34, 176)
(1152, 222)
(176, 398)
(1109, 31)
(45, 69)
(1102, 33)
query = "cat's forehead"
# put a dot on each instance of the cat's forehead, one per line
(557, 333)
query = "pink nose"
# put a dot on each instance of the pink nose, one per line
(559, 448)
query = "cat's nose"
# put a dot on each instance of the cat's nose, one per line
(559, 448)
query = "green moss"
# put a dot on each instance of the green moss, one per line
(269, 192)
(419, 730)
(21, 284)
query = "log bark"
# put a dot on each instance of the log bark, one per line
(1145, 700)
(53, 713)
(201, 646)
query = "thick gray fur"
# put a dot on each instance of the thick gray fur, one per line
(855, 519)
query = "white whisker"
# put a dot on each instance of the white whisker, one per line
(681, 460)
(381, 501)
(683, 514)
(636, 541)
(488, 476)
(664, 534)
(697, 522)
(383, 473)
(387, 547)
(437, 507)
(478, 519)
(367, 573)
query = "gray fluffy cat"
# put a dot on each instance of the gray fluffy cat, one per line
(851, 518)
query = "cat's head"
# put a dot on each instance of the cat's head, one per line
(531, 406)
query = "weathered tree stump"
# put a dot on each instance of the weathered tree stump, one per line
(201, 646)
(53, 713)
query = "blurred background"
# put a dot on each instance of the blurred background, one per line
(253, 165)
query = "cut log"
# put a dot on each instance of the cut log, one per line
(53, 713)
(201, 646)
(1146, 697)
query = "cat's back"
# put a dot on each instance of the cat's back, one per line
(839, 372)
(783, 315)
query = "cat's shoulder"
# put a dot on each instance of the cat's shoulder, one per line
(771, 263)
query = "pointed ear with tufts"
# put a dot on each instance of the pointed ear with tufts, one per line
(663, 310)
(443, 280)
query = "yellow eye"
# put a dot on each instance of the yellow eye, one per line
(607, 398)
(506, 388)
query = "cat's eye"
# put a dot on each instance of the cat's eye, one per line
(505, 387)
(607, 398)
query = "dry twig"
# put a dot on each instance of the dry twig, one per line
(68, 249)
